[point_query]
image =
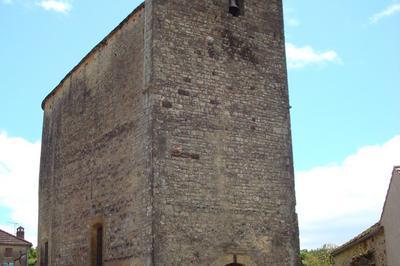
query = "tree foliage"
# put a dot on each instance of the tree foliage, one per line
(32, 257)
(317, 257)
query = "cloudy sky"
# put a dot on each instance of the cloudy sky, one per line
(344, 76)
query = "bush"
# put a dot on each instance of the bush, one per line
(32, 257)
(317, 257)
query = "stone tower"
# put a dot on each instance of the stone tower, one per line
(170, 143)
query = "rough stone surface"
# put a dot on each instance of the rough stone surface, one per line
(94, 156)
(175, 134)
(370, 251)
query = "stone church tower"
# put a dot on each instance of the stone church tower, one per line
(170, 143)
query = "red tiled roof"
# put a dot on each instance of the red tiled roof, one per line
(9, 239)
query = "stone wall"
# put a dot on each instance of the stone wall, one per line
(174, 133)
(374, 245)
(221, 157)
(94, 163)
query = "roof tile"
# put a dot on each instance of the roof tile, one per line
(9, 239)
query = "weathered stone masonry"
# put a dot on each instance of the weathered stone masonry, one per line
(174, 134)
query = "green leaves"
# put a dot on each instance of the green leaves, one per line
(32, 257)
(317, 257)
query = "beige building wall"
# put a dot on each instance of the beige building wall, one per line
(375, 244)
(391, 220)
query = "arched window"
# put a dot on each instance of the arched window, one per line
(235, 263)
(236, 7)
(96, 245)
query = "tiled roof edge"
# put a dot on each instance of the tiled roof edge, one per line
(370, 232)
(27, 242)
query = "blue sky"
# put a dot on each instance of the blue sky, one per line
(344, 76)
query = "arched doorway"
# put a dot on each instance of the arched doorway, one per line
(235, 263)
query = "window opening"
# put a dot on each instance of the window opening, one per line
(236, 7)
(46, 254)
(97, 245)
(8, 253)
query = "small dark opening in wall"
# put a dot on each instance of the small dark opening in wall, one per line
(8, 253)
(236, 7)
(234, 263)
(97, 245)
(365, 259)
(45, 259)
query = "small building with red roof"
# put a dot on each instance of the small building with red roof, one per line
(14, 248)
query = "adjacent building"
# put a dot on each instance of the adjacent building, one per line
(14, 249)
(379, 244)
(170, 143)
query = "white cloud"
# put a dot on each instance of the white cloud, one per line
(54, 5)
(299, 57)
(289, 17)
(389, 11)
(347, 196)
(19, 171)
(293, 22)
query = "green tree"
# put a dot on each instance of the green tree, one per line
(32, 257)
(317, 257)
